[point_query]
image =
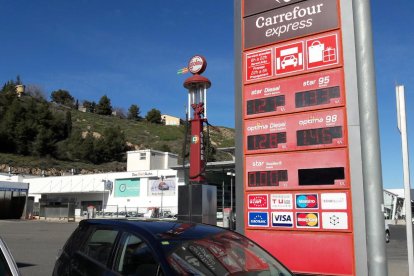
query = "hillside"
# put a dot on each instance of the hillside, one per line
(139, 135)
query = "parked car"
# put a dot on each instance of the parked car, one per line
(387, 233)
(145, 247)
(8, 266)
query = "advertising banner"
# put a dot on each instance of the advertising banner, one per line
(127, 187)
(297, 20)
(165, 187)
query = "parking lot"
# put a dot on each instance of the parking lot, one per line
(35, 244)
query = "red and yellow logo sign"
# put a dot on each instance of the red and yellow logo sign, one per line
(309, 220)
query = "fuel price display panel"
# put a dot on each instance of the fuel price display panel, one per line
(325, 169)
(309, 92)
(307, 130)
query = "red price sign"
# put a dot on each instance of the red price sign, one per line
(259, 64)
(298, 170)
(310, 130)
(309, 92)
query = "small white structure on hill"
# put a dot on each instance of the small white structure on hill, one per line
(169, 120)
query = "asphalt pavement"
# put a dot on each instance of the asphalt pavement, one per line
(35, 244)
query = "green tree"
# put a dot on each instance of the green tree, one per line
(62, 97)
(111, 146)
(104, 106)
(29, 127)
(134, 112)
(153, 116)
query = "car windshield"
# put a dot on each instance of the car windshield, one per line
(223, 253)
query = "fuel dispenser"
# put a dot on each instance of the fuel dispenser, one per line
(197, 201)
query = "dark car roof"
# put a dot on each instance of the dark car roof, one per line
(160, 229)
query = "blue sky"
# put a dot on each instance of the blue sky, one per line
(130, 50)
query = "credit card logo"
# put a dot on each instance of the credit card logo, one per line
(258, 202)
(258, 219)
(307, 220)
(282, 219)
(307, 201)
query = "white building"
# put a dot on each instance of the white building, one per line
(136, 190)
(169, 120)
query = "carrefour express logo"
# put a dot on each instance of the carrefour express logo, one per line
(309, 201)
(307, 220)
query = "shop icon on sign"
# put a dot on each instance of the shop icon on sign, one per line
(322, 51)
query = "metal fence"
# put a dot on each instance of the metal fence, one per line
(70, 211)
(123, 211)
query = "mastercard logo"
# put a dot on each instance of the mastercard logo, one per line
(307, 220)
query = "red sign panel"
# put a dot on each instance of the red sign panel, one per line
(308, 251)
(310, 130)
(295, 154)
(322, 51)
(326, 169)
(259, 64)
(308, 92)
(293, 58)
(289, 58)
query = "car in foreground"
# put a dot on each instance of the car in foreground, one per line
(148, 247)
(8, 266)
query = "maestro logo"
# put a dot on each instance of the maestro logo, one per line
(258, 202)
(309, 201)
(307, 220)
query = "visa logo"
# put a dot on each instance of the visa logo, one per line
(282, 219)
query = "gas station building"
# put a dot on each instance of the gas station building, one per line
(150, 182)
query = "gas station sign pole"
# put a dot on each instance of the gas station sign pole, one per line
(308, 157)
(402, 127)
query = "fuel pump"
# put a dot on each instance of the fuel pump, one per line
(197, 201)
